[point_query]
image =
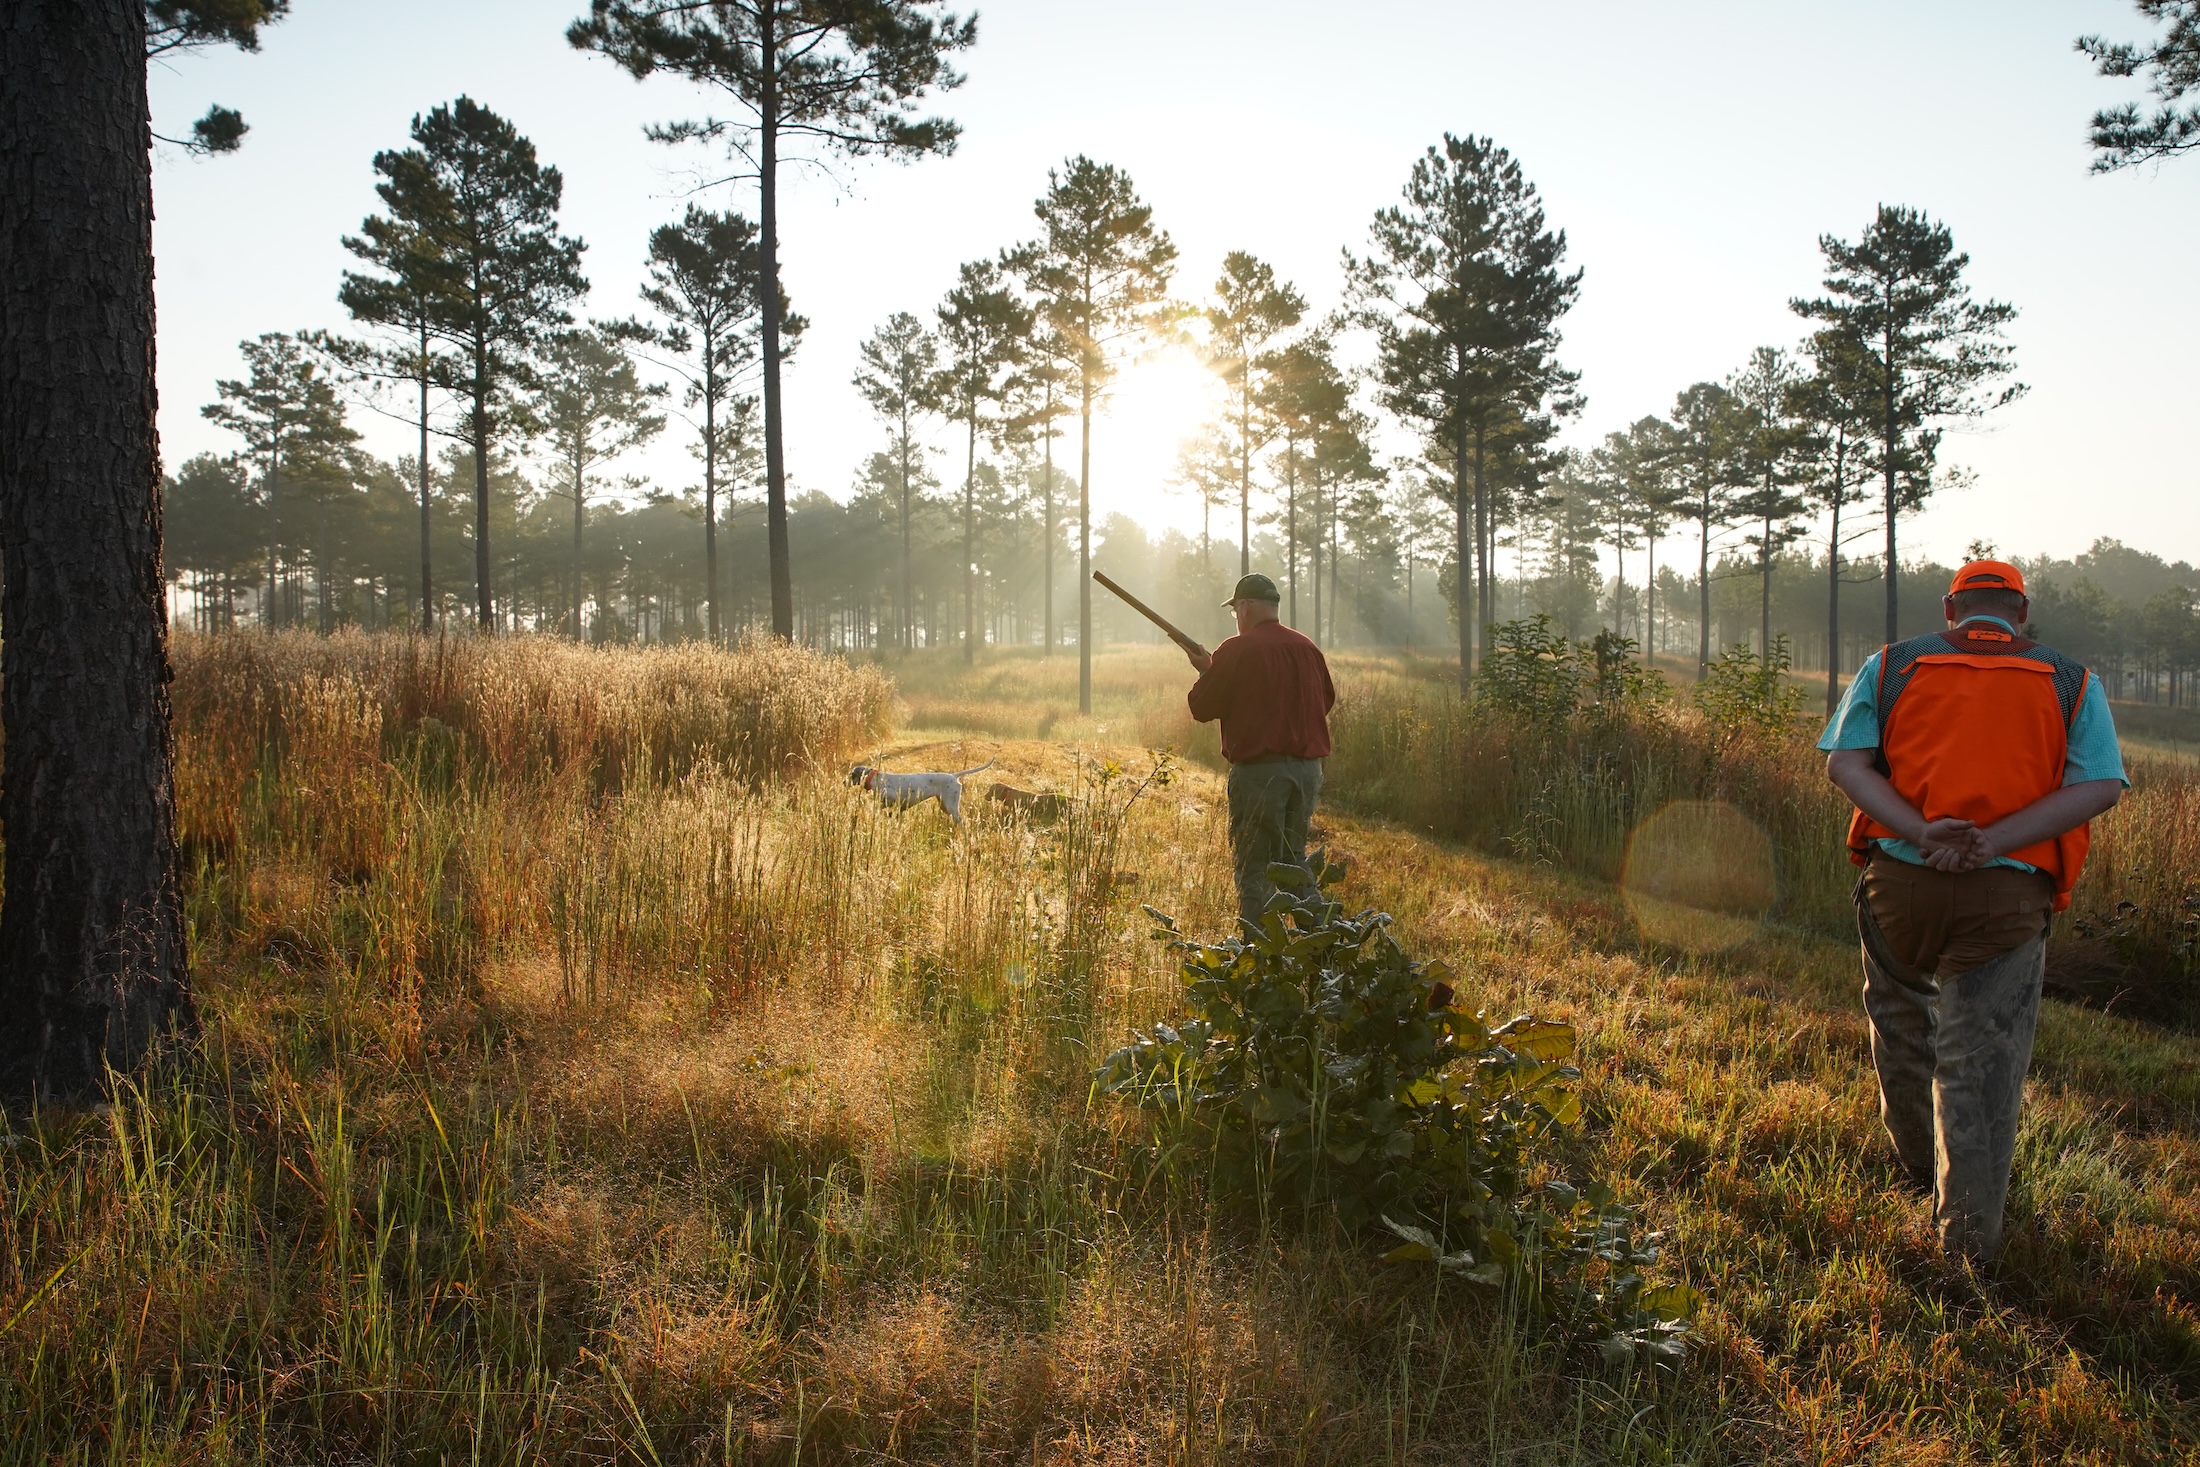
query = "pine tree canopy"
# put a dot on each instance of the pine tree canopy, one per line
(2124, 136)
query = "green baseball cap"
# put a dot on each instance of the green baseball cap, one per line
(1255, 587)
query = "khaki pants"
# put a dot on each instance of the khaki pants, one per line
(1952, 970)
(1271, 802)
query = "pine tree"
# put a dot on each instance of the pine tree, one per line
(1769, 447)
(900, 363)
(1100, 272)
(210, 527)
(94, 968)
(1301, 393)
(172, 26)
(1834, 413)
(591, 407)
(288, 414)
(1464, 291)
(984, 333)
(1039, 396)
(1250, 310)
(1207, 465)
(1641, 462)
(705, 279)
(1604, 475)
(1707, 428)
(1343, 463)
(843, 78)
(1928, 354)
(400, 300)
(472, 233)
(2121, 137)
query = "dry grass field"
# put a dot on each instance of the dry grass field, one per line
(591, 1074)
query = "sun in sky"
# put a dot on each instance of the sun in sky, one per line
(1160, 400)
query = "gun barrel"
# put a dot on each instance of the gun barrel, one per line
(1175, 635)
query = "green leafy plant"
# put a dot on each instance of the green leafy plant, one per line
(1617, 682)
(1750, 694)
(1333, 1072)
(1532, 672)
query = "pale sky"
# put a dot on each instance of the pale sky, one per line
(1692, 152)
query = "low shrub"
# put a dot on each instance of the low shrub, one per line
(1330, 1073)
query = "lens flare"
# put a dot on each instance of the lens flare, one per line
(1699, 876)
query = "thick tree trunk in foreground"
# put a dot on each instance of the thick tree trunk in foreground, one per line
(92, 957)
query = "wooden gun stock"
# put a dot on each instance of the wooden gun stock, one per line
(1191, 648)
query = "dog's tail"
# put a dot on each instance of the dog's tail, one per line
(982, 768)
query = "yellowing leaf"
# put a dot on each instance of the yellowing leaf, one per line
(1540, 1038)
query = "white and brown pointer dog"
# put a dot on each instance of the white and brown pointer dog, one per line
(903, 791)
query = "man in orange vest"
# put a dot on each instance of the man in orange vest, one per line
(1975, 759)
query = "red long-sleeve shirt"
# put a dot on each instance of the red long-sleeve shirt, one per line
(1271, 689)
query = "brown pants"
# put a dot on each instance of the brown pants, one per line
(1952, 970)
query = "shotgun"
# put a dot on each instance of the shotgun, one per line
(1191, 648)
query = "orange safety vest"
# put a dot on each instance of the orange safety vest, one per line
(1983, 731)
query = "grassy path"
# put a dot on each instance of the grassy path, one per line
(1737, 1096)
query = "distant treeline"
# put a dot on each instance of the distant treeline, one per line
(345, 553)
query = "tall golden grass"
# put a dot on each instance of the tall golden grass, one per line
(587, 1079)
(1574, 793)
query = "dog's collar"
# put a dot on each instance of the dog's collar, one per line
(868, 776)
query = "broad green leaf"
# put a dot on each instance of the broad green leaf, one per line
(1670, 1301)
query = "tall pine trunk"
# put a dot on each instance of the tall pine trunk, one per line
(907, 632)
(484, 596)
(578, 516)
(775, 457)
(271, 614)
(1317, 548)
(92, 953)
(1764, 591)
(970, 546)
(1893, 604)
(1245, 473)
(1291, 521)
(1703, 588)
(1833, 574)
(1484, 540)
(1084, 543)
(1466, 542)
(427, 584)
(710, 486)
(1047, 575)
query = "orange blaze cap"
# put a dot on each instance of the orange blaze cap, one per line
(1988, 575)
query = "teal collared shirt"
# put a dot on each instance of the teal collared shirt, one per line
(2093, 752)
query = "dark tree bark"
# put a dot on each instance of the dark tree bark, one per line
(710, 488)
(1467, 542)
(767, 227)
(1084, 545)
(484, 578)
(1047, 575)
(427, 579)
(92, 954)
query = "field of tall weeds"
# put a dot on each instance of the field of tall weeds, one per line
(1574, 791)
(591, 1074)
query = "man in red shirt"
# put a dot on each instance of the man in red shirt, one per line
(1271, 689)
